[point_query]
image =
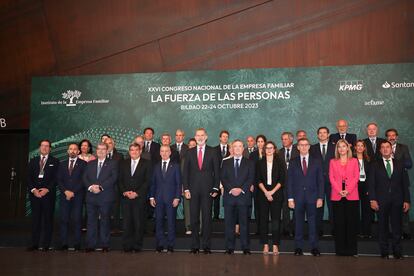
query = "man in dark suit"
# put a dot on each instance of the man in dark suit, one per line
(305, 194)
(250, 146)
(401, 153)
(237, 176)
(373, 142)
(134, 181)
(151, 146)
(182, 148)
(324, 151)
(41, 184)
(139, 139)
(166, 141)
(201, 180)
(72, 194)
(165, 196)
(100, 178)
(342, 127)
(222, 150)
(113, 154)
(287, 152)
(389, 195)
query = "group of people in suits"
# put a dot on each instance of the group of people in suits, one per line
(287, 187)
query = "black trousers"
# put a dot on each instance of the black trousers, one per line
(273, 208)
(133, 211)
(42, 219)
(200, 201)
(216, 206)
(367, 214)
(234, 214)
(287, 223)
(390, 211)
(346, 218)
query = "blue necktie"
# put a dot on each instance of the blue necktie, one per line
(236, 168)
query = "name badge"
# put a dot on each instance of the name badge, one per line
(41, 174)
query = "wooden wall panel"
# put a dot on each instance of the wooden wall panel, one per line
(74, 37)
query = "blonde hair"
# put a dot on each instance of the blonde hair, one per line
(349, 153)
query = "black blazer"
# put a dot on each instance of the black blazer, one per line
(50, 172)
(139, 182)
(315, 151)
(293, 153)
(71, 182)
(385, 189)
(246, 153)
(218, 150)
(107, 180)
(370, 151)
(182, 153)
(278, 176)
(403, 154)
(117, 156)
(244, 179)
(349, 137)
(155, 152)
(208, 177)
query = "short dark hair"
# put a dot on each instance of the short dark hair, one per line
(45, 140)
(322, 127)
(271, 143)
(385, 142)
(105, 134)
(89, 144)
(224, 132)
(135, 145)
(73, 143)
(191, 139)
(149, 128)
(389, 130)
(303, 139)
(261, 136)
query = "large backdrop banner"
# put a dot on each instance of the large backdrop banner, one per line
(244, 102)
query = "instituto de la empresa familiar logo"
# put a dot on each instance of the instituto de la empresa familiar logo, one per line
(70, 95)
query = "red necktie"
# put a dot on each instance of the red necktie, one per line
(304, 166)
(200, 158)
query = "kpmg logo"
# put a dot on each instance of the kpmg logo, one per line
(394, 84)
(70, 95)
(351, 85)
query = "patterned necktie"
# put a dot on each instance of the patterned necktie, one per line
(304, 166)
(164, 168)
(42, 163)
(72, 161)
(200, 158)
(236, 168)
(388, 168)
(287, 155)
(99, 169)
(342, 136)
(374, 146)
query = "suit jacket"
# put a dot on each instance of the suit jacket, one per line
(278, 176)
(350, 173)
(246, 153)
(349, 137)
(117, 156)
(50, 171)
(71, 182)
(138, 182)
(403, 154)
(168, 187)
(293, 153)
(315, 150)
(244, 179)
(370, 150)
(309, 188)
(208, 177)
(154, 152)
(385, 189)
(182, 153)
(218, 150)
(107, 180)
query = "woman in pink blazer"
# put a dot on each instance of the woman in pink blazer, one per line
(344, 177)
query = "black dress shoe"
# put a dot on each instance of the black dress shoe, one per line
(298, 252)
(137, 250)
(206, 250)
(315, 252)
(159, 249)
(32, 248)
(246, 252)
(398, 256)
(194, 251)
(384, 256)
(170, 249)
(89, 250)
(406, 236)
(63, 248)
(229, 252)
(76, 247)
(105, 249)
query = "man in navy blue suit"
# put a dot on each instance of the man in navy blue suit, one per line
(41, 185)
(72, 193)
(99, 179)
(165, 196)
(389, 196)
(237, 176)
(305, 194)
(342, 127)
